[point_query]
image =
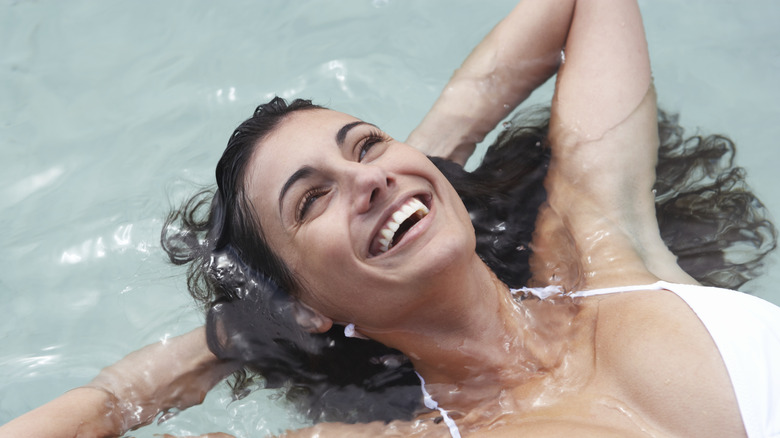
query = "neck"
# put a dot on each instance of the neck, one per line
(474, 339)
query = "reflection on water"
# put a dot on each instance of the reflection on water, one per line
(114, 110)
(27, 186)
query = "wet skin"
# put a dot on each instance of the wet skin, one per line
(323, 185)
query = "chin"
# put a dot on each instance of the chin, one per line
(450, 254)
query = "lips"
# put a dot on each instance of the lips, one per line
(399, 222)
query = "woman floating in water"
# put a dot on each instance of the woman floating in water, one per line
(336, 259)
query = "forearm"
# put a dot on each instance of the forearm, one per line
(176, 373)
(82, 412)
(172, 374)
(517, 56)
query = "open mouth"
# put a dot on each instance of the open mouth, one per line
(396, 227)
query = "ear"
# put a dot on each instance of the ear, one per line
(309, 319)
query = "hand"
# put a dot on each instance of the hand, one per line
(172, 374)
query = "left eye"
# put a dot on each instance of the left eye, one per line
(367, 144)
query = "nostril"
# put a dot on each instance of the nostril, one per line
(374, 194)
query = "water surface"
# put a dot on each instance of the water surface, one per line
(113, 110)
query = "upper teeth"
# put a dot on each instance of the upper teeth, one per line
(405, 212)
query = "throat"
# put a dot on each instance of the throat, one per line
(540, 344)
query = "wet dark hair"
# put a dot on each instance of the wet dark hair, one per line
(707, 215)
(706, 212)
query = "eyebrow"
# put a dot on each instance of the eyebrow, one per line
(342, 134)
(303, 172)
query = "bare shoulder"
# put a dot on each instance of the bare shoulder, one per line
(637, 325)
(654, 352)
(647, 318)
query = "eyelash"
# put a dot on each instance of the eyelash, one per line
(308, 198)
(369, 141)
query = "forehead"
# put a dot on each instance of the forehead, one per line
(310, 123)
(302, 132)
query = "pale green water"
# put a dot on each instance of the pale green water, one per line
(109, 108)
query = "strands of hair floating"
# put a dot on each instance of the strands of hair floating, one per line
(430, 403)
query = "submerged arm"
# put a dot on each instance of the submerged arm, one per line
(80, 412)
(176, 373)
(517, 56)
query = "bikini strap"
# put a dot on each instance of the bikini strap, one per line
(545, 292)
(430, 403)
(617, 289)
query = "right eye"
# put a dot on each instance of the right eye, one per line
(307, 200)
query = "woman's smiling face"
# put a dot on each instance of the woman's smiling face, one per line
(365, 222)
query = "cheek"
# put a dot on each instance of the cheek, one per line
(323, 244)
(323, 259)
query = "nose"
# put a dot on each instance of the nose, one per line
(368, 184)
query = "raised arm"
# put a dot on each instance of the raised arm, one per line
(176, 373)
(604, 140)
(517, 56)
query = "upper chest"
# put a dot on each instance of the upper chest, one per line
(655, 368)
(649, 368)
